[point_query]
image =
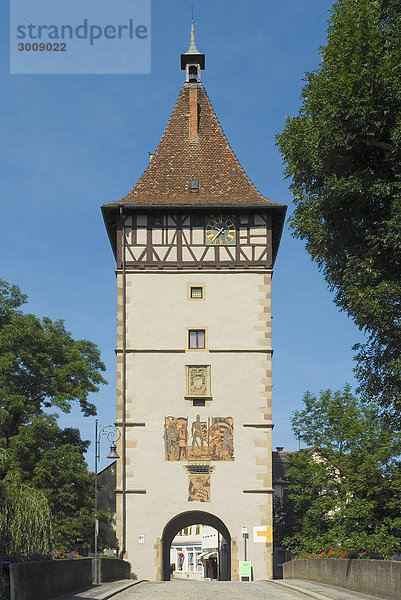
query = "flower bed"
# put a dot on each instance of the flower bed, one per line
(361, 554)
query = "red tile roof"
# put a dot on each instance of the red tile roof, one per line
(209, 159)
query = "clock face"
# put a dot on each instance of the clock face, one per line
(220, 231)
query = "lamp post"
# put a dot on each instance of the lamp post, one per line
(113, 434)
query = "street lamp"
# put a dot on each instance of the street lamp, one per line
(113, 434)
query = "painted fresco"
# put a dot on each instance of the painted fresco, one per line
(204, 440)
(175, 438)
(199, 447)
(221, 438)
(199, 488)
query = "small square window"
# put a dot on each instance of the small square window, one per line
(197, 292)
(194, 184)
(196, 338)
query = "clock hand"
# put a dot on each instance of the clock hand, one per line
(219, 232)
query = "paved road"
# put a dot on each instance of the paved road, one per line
(208, 590)
(290, 589)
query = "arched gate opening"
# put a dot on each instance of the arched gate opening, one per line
(195, 517)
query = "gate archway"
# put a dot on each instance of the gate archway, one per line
(195, 517)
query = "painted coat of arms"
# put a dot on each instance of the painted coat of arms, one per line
(198, 381)
(199, 488)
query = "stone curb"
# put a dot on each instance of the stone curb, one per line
(121, 588)
(301, 590)
(96, 593)
(354, 594)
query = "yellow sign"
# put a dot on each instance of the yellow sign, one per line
(263, 534)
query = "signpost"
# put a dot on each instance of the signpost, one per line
(245, 536)
(245, 565)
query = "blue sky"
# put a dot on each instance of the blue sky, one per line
(74, 142)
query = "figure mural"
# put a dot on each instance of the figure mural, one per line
(221, 436)
(206, 440)
(197, 433)
(199, 488)
(175, 438)
(182, 440)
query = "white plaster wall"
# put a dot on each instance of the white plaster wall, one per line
(236, 314)
(159, 311)
(156, 382)
(241, 511)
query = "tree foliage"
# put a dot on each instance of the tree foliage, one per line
(25, 519)
(43, 367)
(344, 489)
(343, 153)
(52, 460)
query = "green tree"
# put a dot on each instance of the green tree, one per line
(345, 486)
(25, 520)
(343, 153)
(52, 460)
(43, 367)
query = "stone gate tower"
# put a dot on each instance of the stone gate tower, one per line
(195, 243)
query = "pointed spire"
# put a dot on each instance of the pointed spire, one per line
(192, 45)
(192, 59)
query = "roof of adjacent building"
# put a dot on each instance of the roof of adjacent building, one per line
(281, 459)
(209, 159)
(279, 462)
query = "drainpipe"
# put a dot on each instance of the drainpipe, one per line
(124, 397)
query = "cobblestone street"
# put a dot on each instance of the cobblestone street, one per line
(208, 590)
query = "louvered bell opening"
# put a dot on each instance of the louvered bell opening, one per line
(193, 74)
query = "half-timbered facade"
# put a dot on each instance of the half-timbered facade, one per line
(177, 241)
(195, 244)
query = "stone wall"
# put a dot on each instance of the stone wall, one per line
(376, 577)
(43, 580)
(113, 569)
